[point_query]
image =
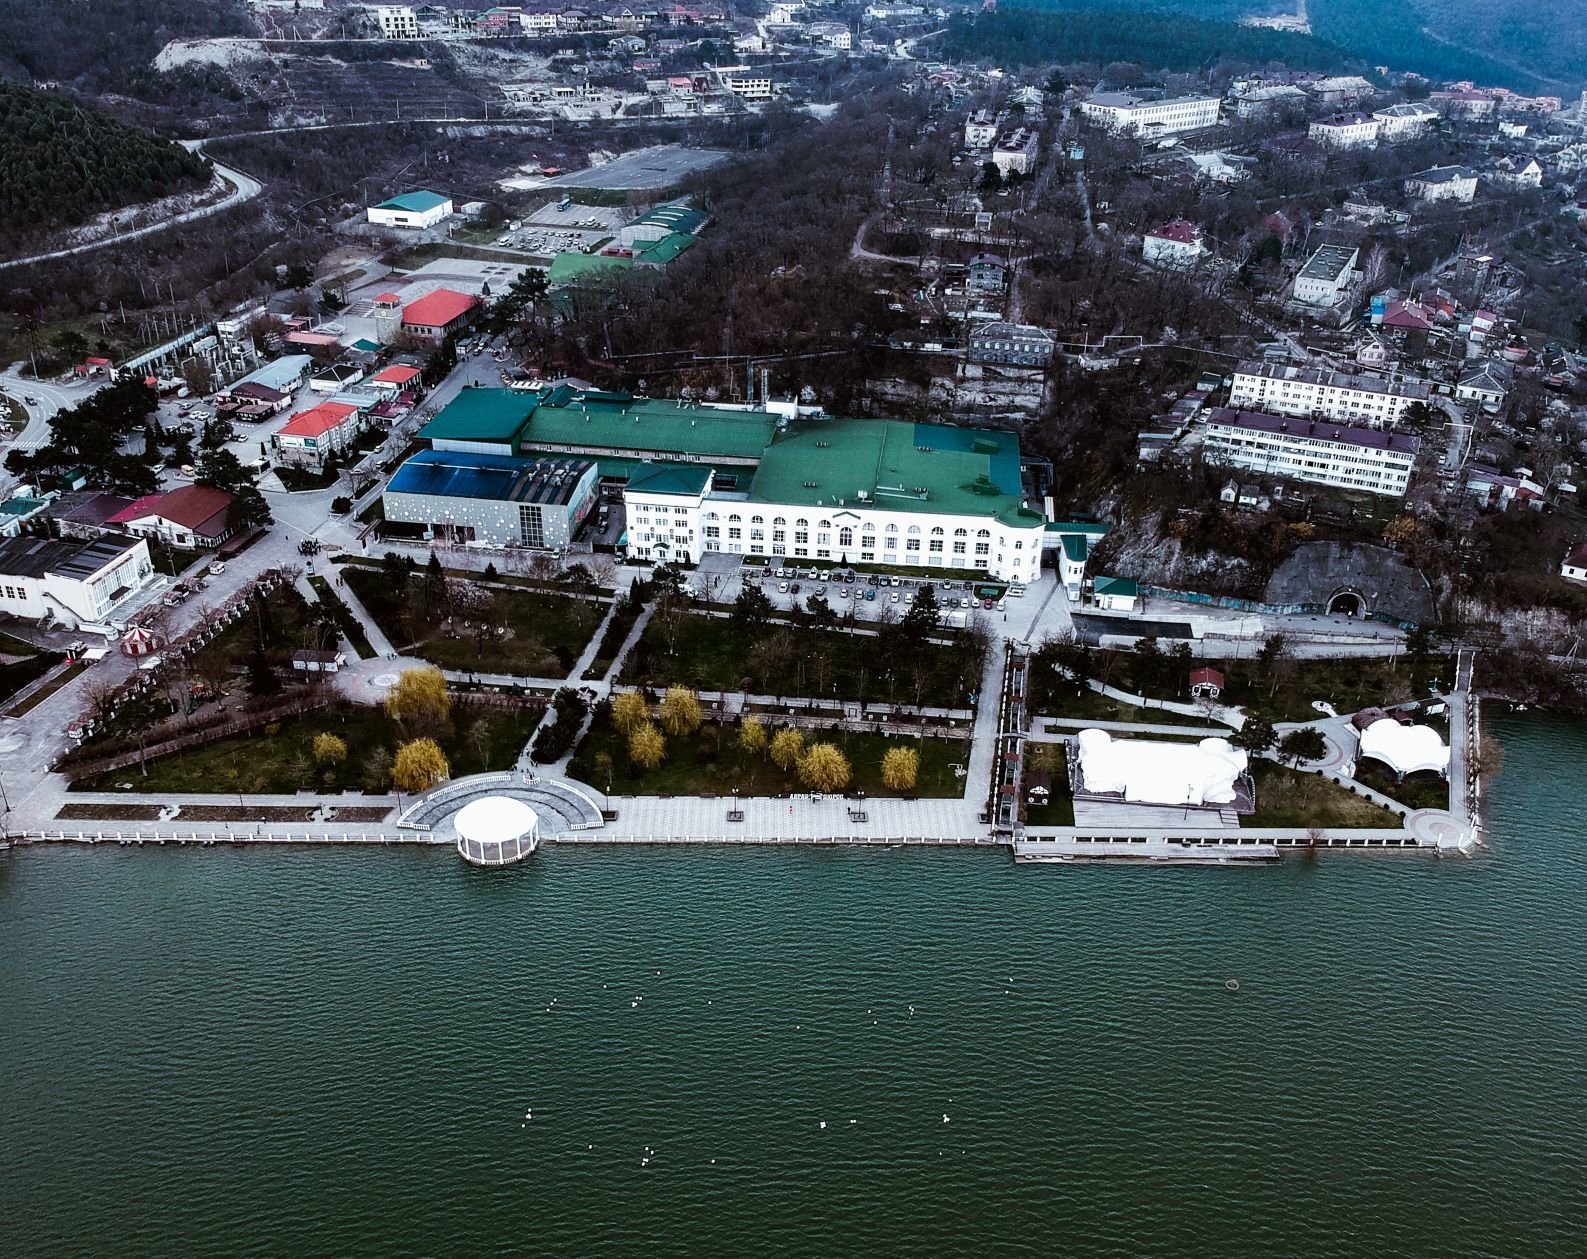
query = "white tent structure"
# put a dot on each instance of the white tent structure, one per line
(496, 831)
(1404, 749)
(1148, 771)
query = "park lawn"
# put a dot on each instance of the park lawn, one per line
(44, 692)
(709, 763)
(1287, 797)
(264, 762)
(713, 654)
(352, 628)
(546, 632)
(1425, 790)
(289, 616)
(26, 664)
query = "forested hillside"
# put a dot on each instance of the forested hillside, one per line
(1061, 32)
(61, 163)
(103, 44)
(1509, 43)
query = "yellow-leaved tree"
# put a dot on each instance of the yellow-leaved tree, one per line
(824, 768)
(419, 699)
(646, 746)
(900, 768)
(329, 749)
(680, 711)
(751, 736)
(629, 712)
(787, 746)
(419, 765)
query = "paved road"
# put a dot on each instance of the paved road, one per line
(244, 188)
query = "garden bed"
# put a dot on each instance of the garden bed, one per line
(1289, 798)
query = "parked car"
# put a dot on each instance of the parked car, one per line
(217, 568)
(782, 587)
(987, 604)
(870, 594)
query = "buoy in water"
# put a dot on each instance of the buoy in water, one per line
(1233, 985)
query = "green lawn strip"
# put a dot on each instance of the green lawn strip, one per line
(708, 762)
(279, 757)
(44, 692)
(173, 561)
(349, 624)
(1287, 797)
(546, 632)
(298, 480)
(1088, 705)
(716, 654)
(1424, 790)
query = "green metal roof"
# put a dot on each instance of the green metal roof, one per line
(670, 478)
(663, 251)
(1085, 528)
(1077, 547)
(482, 415)
(896, 465)
(567, 268)
(20, 506)
(1123, 587)
(679, 218)
(627, 467)
(593, 420)
(415, 202)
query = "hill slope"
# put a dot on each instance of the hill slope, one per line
(62, 163)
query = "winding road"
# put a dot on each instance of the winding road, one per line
(244, 188)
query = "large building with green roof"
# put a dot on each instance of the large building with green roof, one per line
(773, 483)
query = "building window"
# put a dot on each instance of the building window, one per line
(757, 535)
(983, 548)
(734, 533)
(845, 536)
(958, 548)
(531, 526)
(914, 544)
(713, 531)
(779, 535)
(936, 546)
(801, 535)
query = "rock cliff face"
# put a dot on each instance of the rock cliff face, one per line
(1153, 560)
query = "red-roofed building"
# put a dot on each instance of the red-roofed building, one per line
(311, 436)
(92, 367)
(1206, 683)
(398, 375)
(387, 301)
(1176, 244)
(437, 315)
(189, 516)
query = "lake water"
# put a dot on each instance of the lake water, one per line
(267, 1052)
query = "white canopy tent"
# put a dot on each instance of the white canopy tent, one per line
(1149, 771)
(1404, 749)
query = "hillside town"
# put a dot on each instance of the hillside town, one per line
(1048, 416)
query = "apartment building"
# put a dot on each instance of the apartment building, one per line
(1290, 389)
(1342, 456)
(1150, 114)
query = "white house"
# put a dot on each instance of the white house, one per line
(1291, 389)
(1443, 183)
(1351, 130)
(312, 436)
(72, 583)
(1115, 594)
(980, 130)
(1176, 244)
(1015, 152)
(1151, 113)
(419, 209)
(397, 21)
(1341, 456)
(1328, 276)
(749, 87)
(1405, 121)
(1486, 386)
(1574, 567)
(1518, 172)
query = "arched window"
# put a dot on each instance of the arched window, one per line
(845, 536)
(961, 533)
(869, 527)
(757, 520)
(801, 524)
(983, 533)
(892, 528)
(734, 519)
(914, 528)
(937, 532)
(711, 515)
(778, 520)
(823, 524)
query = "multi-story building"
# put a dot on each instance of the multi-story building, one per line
(74, 584)
(1405, 121)
(1443, 183)
(767, 484)
(980, 130)
(499, 500)
(1342, 456)
(1176, 244)
(1351, 130)
(397, 21)
(1015, 153)
(1012, 344)
(1290, 389)
(748, 87)
(1328, 276)
(1151, 113)
(1263, 100)
(439, 314)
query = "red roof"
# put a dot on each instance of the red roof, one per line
(1206, 677)
(191, 506)
(396, 374)
(317, 421)
(1181, 230)
(1406, 315)
(387, 299)
(437, 309)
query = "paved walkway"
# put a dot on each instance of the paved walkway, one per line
(372, 631)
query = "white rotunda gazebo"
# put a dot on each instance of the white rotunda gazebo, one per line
(496, 831)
